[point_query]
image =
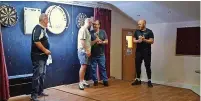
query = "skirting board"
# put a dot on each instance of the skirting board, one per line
(194, 88)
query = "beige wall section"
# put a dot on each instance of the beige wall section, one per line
(166, 67)
(119, 21)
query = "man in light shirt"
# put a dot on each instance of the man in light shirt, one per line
(84, 50)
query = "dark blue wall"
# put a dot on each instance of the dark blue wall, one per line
(17, 45)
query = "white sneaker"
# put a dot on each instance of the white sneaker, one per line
(85, 83)
(81, 86)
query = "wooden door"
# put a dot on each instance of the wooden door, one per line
(128, 55)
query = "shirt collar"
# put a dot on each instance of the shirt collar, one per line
(42, 26)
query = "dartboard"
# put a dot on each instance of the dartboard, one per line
(80, 19)
(8, 16)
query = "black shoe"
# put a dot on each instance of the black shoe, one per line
(150, 84)
(136, 82)
(105, 83)
(34, 98)
(43, 94)
(95, 83)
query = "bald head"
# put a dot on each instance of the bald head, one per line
(142, 24)
(142, 21)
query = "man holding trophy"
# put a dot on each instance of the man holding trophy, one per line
(97, 53)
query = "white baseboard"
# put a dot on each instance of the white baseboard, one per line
(194, 88)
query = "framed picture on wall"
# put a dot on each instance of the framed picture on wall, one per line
(188, 41)
(31, 19)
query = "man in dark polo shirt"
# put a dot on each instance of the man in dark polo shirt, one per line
(97, 53)
(143, 37)
(39, 55)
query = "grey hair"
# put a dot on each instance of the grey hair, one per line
(42, 17)
(87, 20)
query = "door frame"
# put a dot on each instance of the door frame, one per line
(122, 49)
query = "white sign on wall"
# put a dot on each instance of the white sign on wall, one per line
(31, 19)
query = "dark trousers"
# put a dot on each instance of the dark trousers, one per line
(146, 56)
(39, 71)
